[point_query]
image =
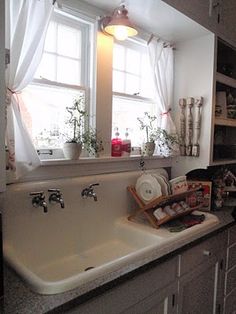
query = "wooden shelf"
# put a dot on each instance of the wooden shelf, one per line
(229, 81)
(225, 122)
(223, 162)
(148, 209)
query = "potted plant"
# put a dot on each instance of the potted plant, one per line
(73, 146)
(155, 134)
(146, 124)
(93, 143)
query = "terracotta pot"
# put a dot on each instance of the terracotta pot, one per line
(149, 148)
(72, 150)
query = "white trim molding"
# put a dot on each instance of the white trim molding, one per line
(55, 169)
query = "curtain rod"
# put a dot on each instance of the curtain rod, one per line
(165, 44)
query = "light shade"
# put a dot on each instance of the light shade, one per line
(119, 24)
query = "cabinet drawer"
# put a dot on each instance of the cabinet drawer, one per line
(232, 235)
(231, 280)
(231, 256)
(202, 252)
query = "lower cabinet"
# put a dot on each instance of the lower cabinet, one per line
(163, 302)
(202, 276)
(197, 281)
(154, 291)
(200, 291)
(230, 282)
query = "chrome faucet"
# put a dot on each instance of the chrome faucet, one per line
(38, 200)
(89, 192)
(56, 197)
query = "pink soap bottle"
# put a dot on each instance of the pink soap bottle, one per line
(126, 145)
(116, 145)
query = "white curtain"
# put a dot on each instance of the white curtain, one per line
(161, 59)
(27, 22)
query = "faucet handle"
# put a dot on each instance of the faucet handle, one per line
(58, 191)
(94, 184)
(39, 200)
(56, 197)
(40, 193)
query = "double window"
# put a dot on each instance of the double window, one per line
(65, 73)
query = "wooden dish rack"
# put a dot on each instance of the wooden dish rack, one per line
(147, 209)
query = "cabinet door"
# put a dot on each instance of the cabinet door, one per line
(227, 21)
(153, 290)
(200, 290)
(230, 303)
(198, 10)
(160, 302)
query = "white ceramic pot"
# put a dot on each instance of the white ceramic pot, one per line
(72, 150)
(149, 148)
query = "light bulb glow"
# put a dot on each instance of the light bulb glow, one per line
(120, 32)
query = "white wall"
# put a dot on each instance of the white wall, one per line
(2, 96)
(194, 77)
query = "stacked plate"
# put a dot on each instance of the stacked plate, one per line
(152, 185)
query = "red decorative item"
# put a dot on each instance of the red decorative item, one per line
(126, 145)
(116, 145)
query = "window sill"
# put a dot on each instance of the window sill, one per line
(62, 168)
(91, 160)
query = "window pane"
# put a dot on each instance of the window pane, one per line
(47, 67)
(124, 115)
(68, 71)
(119, 57)
(44, 113)
(118, 81)
(69, 41)
(132, 84)
(51, 38)
(133, 61)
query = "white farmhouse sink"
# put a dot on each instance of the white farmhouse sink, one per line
(87, 240)
(62, 270)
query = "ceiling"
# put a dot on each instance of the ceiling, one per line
(155, 16)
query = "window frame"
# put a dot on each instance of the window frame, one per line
(132, 43)
(71, 19)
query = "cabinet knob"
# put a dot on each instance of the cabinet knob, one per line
(206, 253)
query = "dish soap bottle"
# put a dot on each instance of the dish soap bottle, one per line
(126, 145)
(116, 145)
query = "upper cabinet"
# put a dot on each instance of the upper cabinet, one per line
(216, 15)
(224, 140)
(226, 26)
(201, 11)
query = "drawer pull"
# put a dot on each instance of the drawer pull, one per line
(206, 253)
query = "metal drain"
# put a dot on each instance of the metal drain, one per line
(88, 268)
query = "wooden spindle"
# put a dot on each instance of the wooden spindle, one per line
(189, 135)
(197, 128)
(182, 104)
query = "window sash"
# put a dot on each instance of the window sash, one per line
(136, 77)
(70, 20)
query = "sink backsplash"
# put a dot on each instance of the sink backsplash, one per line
(22, 221)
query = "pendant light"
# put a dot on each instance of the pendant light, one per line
(118, 25)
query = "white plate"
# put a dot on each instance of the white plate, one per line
(147, 187)
(162, 172)
(165, 189)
